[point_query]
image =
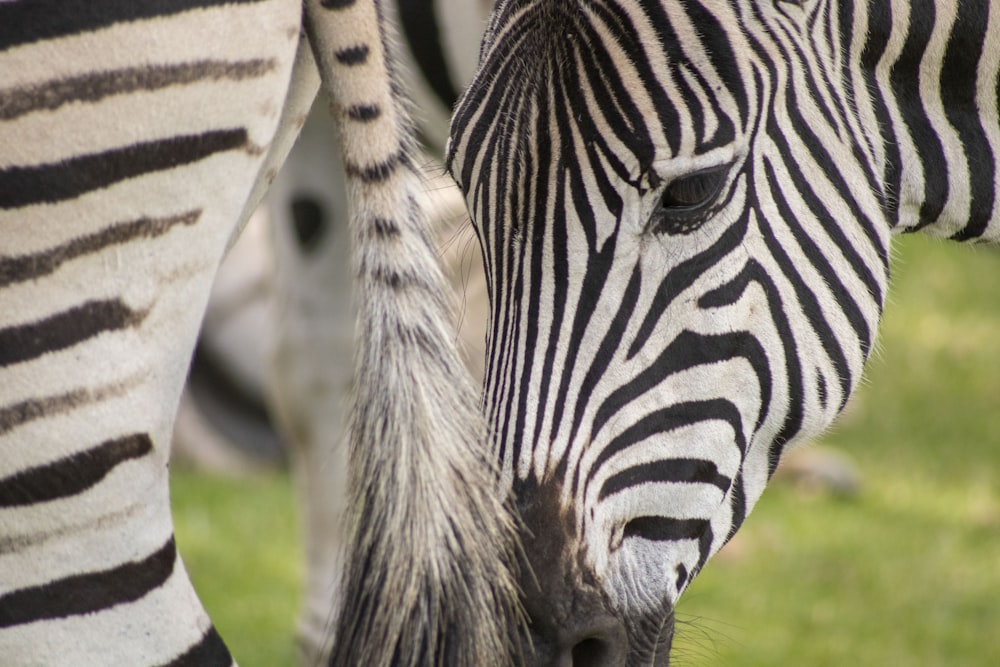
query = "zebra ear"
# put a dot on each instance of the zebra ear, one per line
(687, 202)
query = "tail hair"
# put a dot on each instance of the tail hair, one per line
(430, 568)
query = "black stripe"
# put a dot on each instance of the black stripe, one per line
(704, 546)
(30, 267)
(682, 471)
(599, 264)
(729, 294)
(376, 173)
(337, 4)
(364, 112)
(905, 80)
(95, 86)
(682, 577)
(738, 505)
(27, 22)
(880, 21)
(419, 23)
(805, 297)
(354, 55)
(558, 279)
(818, 259)
(385, 228)
(828, 166)
(670, 419)
(73, 474)
(91, 592)
(514, 194)
(958, 91)
(689, 350)
(48, 183)
(682, 276)
(602, 361)
(12, 416)
(29, 341)
(210, 651)
(665, 529)
(632, 128)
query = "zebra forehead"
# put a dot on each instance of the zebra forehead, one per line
(622, 85)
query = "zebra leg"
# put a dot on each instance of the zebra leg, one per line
(124, 163)
(312, 365)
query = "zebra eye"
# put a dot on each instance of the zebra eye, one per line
(685, 201)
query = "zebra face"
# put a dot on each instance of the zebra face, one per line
(686, 260)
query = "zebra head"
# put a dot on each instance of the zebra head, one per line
(685, 242)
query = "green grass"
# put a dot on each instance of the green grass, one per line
(906, 574)
(240, 541)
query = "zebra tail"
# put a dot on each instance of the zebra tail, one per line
(429, 576)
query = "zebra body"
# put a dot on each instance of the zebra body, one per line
(685, 211)
(90, 403)
(134, 138)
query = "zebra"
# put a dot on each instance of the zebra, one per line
(685, 211)
(135, 137)
(308, 376)
(596, 537)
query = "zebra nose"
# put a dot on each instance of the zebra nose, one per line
(605, 645)
(595, 642)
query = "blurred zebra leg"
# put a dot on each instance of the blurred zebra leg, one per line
(310, 369)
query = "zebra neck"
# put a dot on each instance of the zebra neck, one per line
(931, 77)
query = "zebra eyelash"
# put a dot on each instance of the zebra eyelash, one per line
(687, 202)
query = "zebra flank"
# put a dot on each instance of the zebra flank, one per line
(131, 135)
(17, 414)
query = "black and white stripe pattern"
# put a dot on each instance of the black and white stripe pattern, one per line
(109, 113)
(134, 139)
(685, 210)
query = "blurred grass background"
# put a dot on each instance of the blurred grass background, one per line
(906, 573)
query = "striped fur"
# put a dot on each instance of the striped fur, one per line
(307, 302)
(427, 578)
(685, 210)
(135, 138)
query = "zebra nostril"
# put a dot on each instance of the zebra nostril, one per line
(591, 652)
(600, 644)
